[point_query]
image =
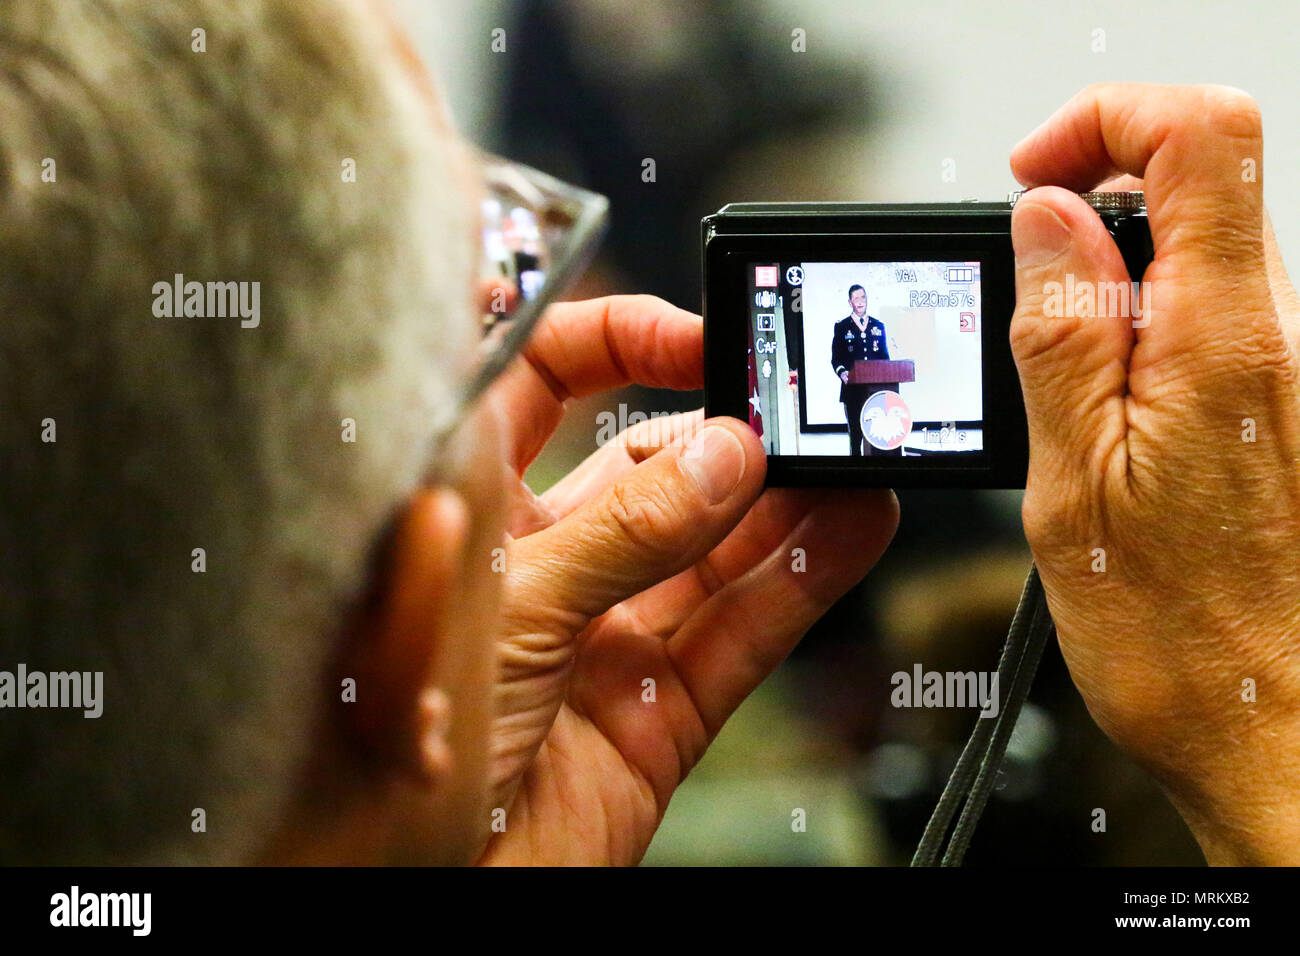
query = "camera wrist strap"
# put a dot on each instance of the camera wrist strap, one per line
(973, 778)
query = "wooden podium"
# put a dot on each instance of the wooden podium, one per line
(878, 372)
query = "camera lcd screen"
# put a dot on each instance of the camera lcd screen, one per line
(866, 358)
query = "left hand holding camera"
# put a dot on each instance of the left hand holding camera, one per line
(648, 592)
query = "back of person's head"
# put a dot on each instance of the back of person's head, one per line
(179, 508)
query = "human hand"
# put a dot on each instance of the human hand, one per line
(1163, 497)
(844, 377)
(652, 560)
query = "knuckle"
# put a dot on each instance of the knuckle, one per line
(1106, 97)
(1053, 521)
(637, 305)
(1034, 335)
(644, 516)
(1231, 112)
(1228, 233)
(1095, 92)
(1042, 523)
(645, 300)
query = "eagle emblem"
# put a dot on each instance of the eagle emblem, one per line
(886, 420)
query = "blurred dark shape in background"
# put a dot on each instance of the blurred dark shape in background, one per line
(596, 88)
(952, 616)
(717, 99)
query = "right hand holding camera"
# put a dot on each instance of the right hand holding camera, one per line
(1163, 497)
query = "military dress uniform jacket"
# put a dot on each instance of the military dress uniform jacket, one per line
(851, 346)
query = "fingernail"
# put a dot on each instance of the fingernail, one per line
(1038, 236)
(716, 460)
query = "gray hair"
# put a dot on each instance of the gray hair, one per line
(180, 433)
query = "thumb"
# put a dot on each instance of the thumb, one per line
(665, 515)
(1071, 335)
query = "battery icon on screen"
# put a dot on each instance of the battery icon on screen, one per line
(961, 274)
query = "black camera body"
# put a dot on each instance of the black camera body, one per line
(867, 343)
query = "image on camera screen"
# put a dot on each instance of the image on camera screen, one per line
(866, 358)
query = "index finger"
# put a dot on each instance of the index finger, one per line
(580, 348)
(1198, 150)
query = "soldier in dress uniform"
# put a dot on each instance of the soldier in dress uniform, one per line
(858, 336)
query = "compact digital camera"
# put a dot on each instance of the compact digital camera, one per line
(867, 343)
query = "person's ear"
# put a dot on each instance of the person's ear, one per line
(402, 713)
